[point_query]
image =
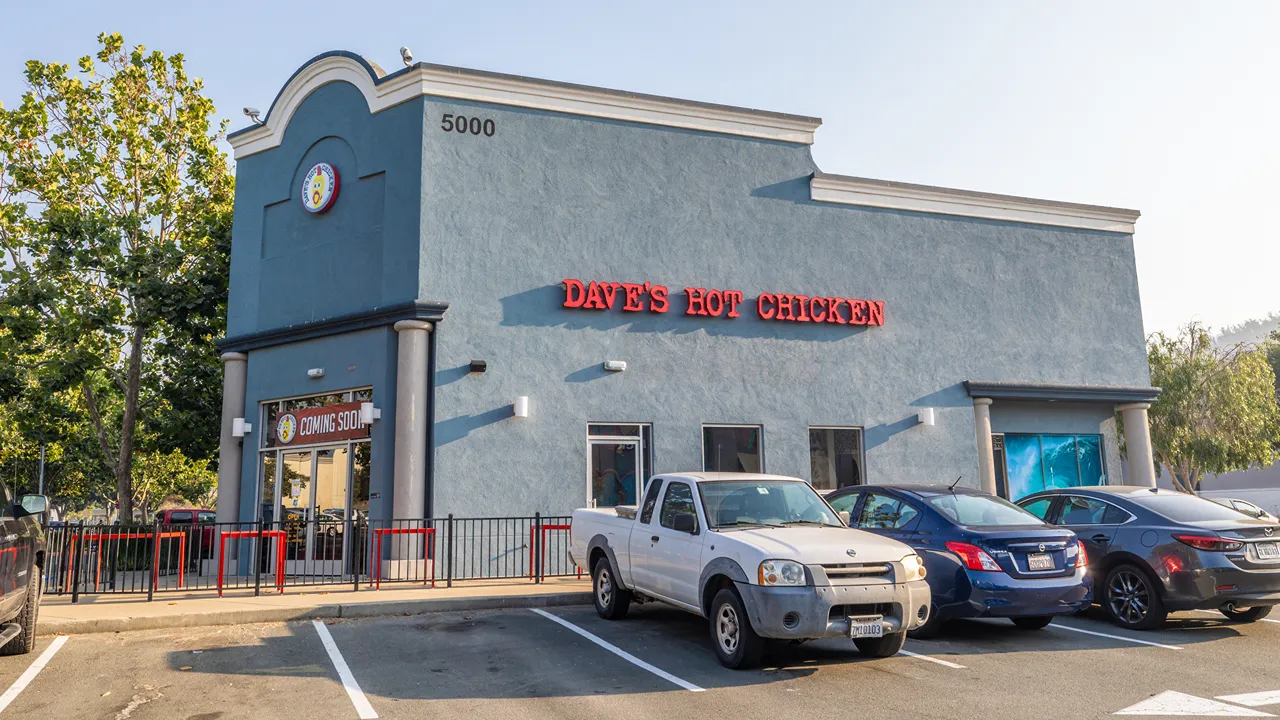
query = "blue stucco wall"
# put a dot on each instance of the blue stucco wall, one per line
(553, 196)
(491, 225)
(289, 266)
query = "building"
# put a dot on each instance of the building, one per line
(456, 291)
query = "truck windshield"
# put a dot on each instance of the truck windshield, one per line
(733, 503)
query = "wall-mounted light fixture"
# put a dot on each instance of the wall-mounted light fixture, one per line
(315, 373)
(240, 428)
(369, 413)
(477, 366)
(520, 408)
(927, 416)
(615, 365)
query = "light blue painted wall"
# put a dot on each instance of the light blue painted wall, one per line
(496, 223)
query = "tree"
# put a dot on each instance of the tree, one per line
(1218, 411)
(111, 194)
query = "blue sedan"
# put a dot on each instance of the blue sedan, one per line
(984, 556)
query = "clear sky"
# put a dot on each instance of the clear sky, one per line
(1167, 107)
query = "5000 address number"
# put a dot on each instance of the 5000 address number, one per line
(462, 125)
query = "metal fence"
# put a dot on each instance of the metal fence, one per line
(272, 556)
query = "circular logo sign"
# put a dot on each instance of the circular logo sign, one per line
(319, 188)
(286, 428)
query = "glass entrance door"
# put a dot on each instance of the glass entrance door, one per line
(312, 509)
(614, 472)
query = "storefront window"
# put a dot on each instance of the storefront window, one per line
(1039, 462)
(835, 458)
(732, 448)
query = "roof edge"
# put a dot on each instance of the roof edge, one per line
(868, 192)
(1061, 393)
(382, 91)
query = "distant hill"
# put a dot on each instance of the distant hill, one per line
(1250, 331)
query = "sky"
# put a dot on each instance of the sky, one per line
(1167, 107)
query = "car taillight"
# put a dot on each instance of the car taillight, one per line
(1082, 557)
(1211, 543)
(974, 557)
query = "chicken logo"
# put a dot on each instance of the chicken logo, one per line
(286, 428)
(319, 188)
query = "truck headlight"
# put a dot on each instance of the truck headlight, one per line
(781, 572)
(913, 568)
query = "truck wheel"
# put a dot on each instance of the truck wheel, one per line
(25, 641)
(612, 602)
(881, 647)
(736, 643)
(1245, 615)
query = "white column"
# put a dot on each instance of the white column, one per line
(230, 451)
(1137, 442)
(409, 488)
(986, 455)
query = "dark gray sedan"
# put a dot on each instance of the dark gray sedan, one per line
(1153, 552)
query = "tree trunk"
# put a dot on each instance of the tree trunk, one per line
(128, 425)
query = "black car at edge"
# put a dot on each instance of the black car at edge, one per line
(1155, 551)
(22, 557)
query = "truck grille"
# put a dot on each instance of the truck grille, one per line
(850, 570)
(844, 611)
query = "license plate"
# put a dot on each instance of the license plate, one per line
(869, 626)
(1267, 550)
(1039, 561)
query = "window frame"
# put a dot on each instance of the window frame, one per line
(862, 453)
(644, 455)
(694, 498)
(702, 442)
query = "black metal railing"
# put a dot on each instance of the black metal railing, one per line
(272, 556)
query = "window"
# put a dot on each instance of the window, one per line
(763, 502)
(650, 501)
(679, 500)
(882, 512)
(844, 503)
(1180, 507)
(619, 462)
(981, 511)
(180, 517)
(207, 516)
(1039, 508)
(835, 457)
(732, 448)
(1083, 511)
(1038, 462)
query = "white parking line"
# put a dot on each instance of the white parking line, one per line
(1060, 626)
(620, 652)
(931, 659)
(22, 682)
(363, 708)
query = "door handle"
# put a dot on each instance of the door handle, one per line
(1100, 538)
(654, 538)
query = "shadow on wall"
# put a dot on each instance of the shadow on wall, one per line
(446, 376)
(795, 190)
(459, 427)
(952, 396)
(588, 373)
(544, 307)
(877, 435)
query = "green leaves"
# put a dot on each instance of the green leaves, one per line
(1218, 411)
(115, 207)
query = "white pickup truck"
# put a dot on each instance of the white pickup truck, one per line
(761, 556)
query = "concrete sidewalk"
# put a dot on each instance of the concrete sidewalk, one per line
(119, 613)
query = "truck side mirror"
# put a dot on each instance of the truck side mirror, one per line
(685, 522)
(32, 505)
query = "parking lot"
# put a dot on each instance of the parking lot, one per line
(566, 662)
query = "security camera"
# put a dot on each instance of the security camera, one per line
(406, 56)
(253, 114)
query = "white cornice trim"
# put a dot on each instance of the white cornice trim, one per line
(457, 83)
(966, 203)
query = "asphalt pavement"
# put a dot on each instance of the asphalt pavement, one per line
(566, 662)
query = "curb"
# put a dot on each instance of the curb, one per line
(319, 612)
